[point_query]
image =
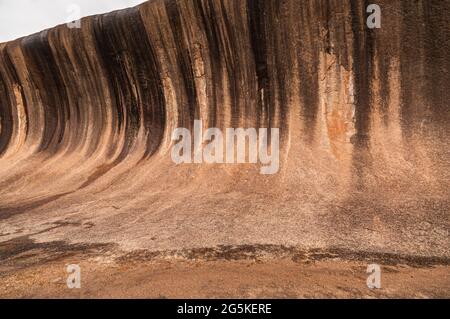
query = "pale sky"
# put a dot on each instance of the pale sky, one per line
(19, 18)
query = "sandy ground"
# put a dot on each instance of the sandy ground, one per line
(38, 273)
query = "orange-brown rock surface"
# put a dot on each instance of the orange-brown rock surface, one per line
(86, 117)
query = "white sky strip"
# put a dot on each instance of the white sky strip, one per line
(19, 18)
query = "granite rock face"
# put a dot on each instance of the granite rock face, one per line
(86, 117)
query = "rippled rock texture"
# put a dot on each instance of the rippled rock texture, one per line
(86, 117)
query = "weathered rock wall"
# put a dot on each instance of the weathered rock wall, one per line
(86, 117)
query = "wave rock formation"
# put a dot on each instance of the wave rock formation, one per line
(86, 117)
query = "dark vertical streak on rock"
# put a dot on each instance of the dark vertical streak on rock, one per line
(209, 21)
(411, 41)
(437, 59)
(283, 62)
(115, 57)
(309, 67)
(6, 119)
(384, 60)
(362, 69)
(231, 57)
(256, 12)
(190, 110)
(413, 69)
(6, 101)
(47, 79)
(147, 81)
(69, 81)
